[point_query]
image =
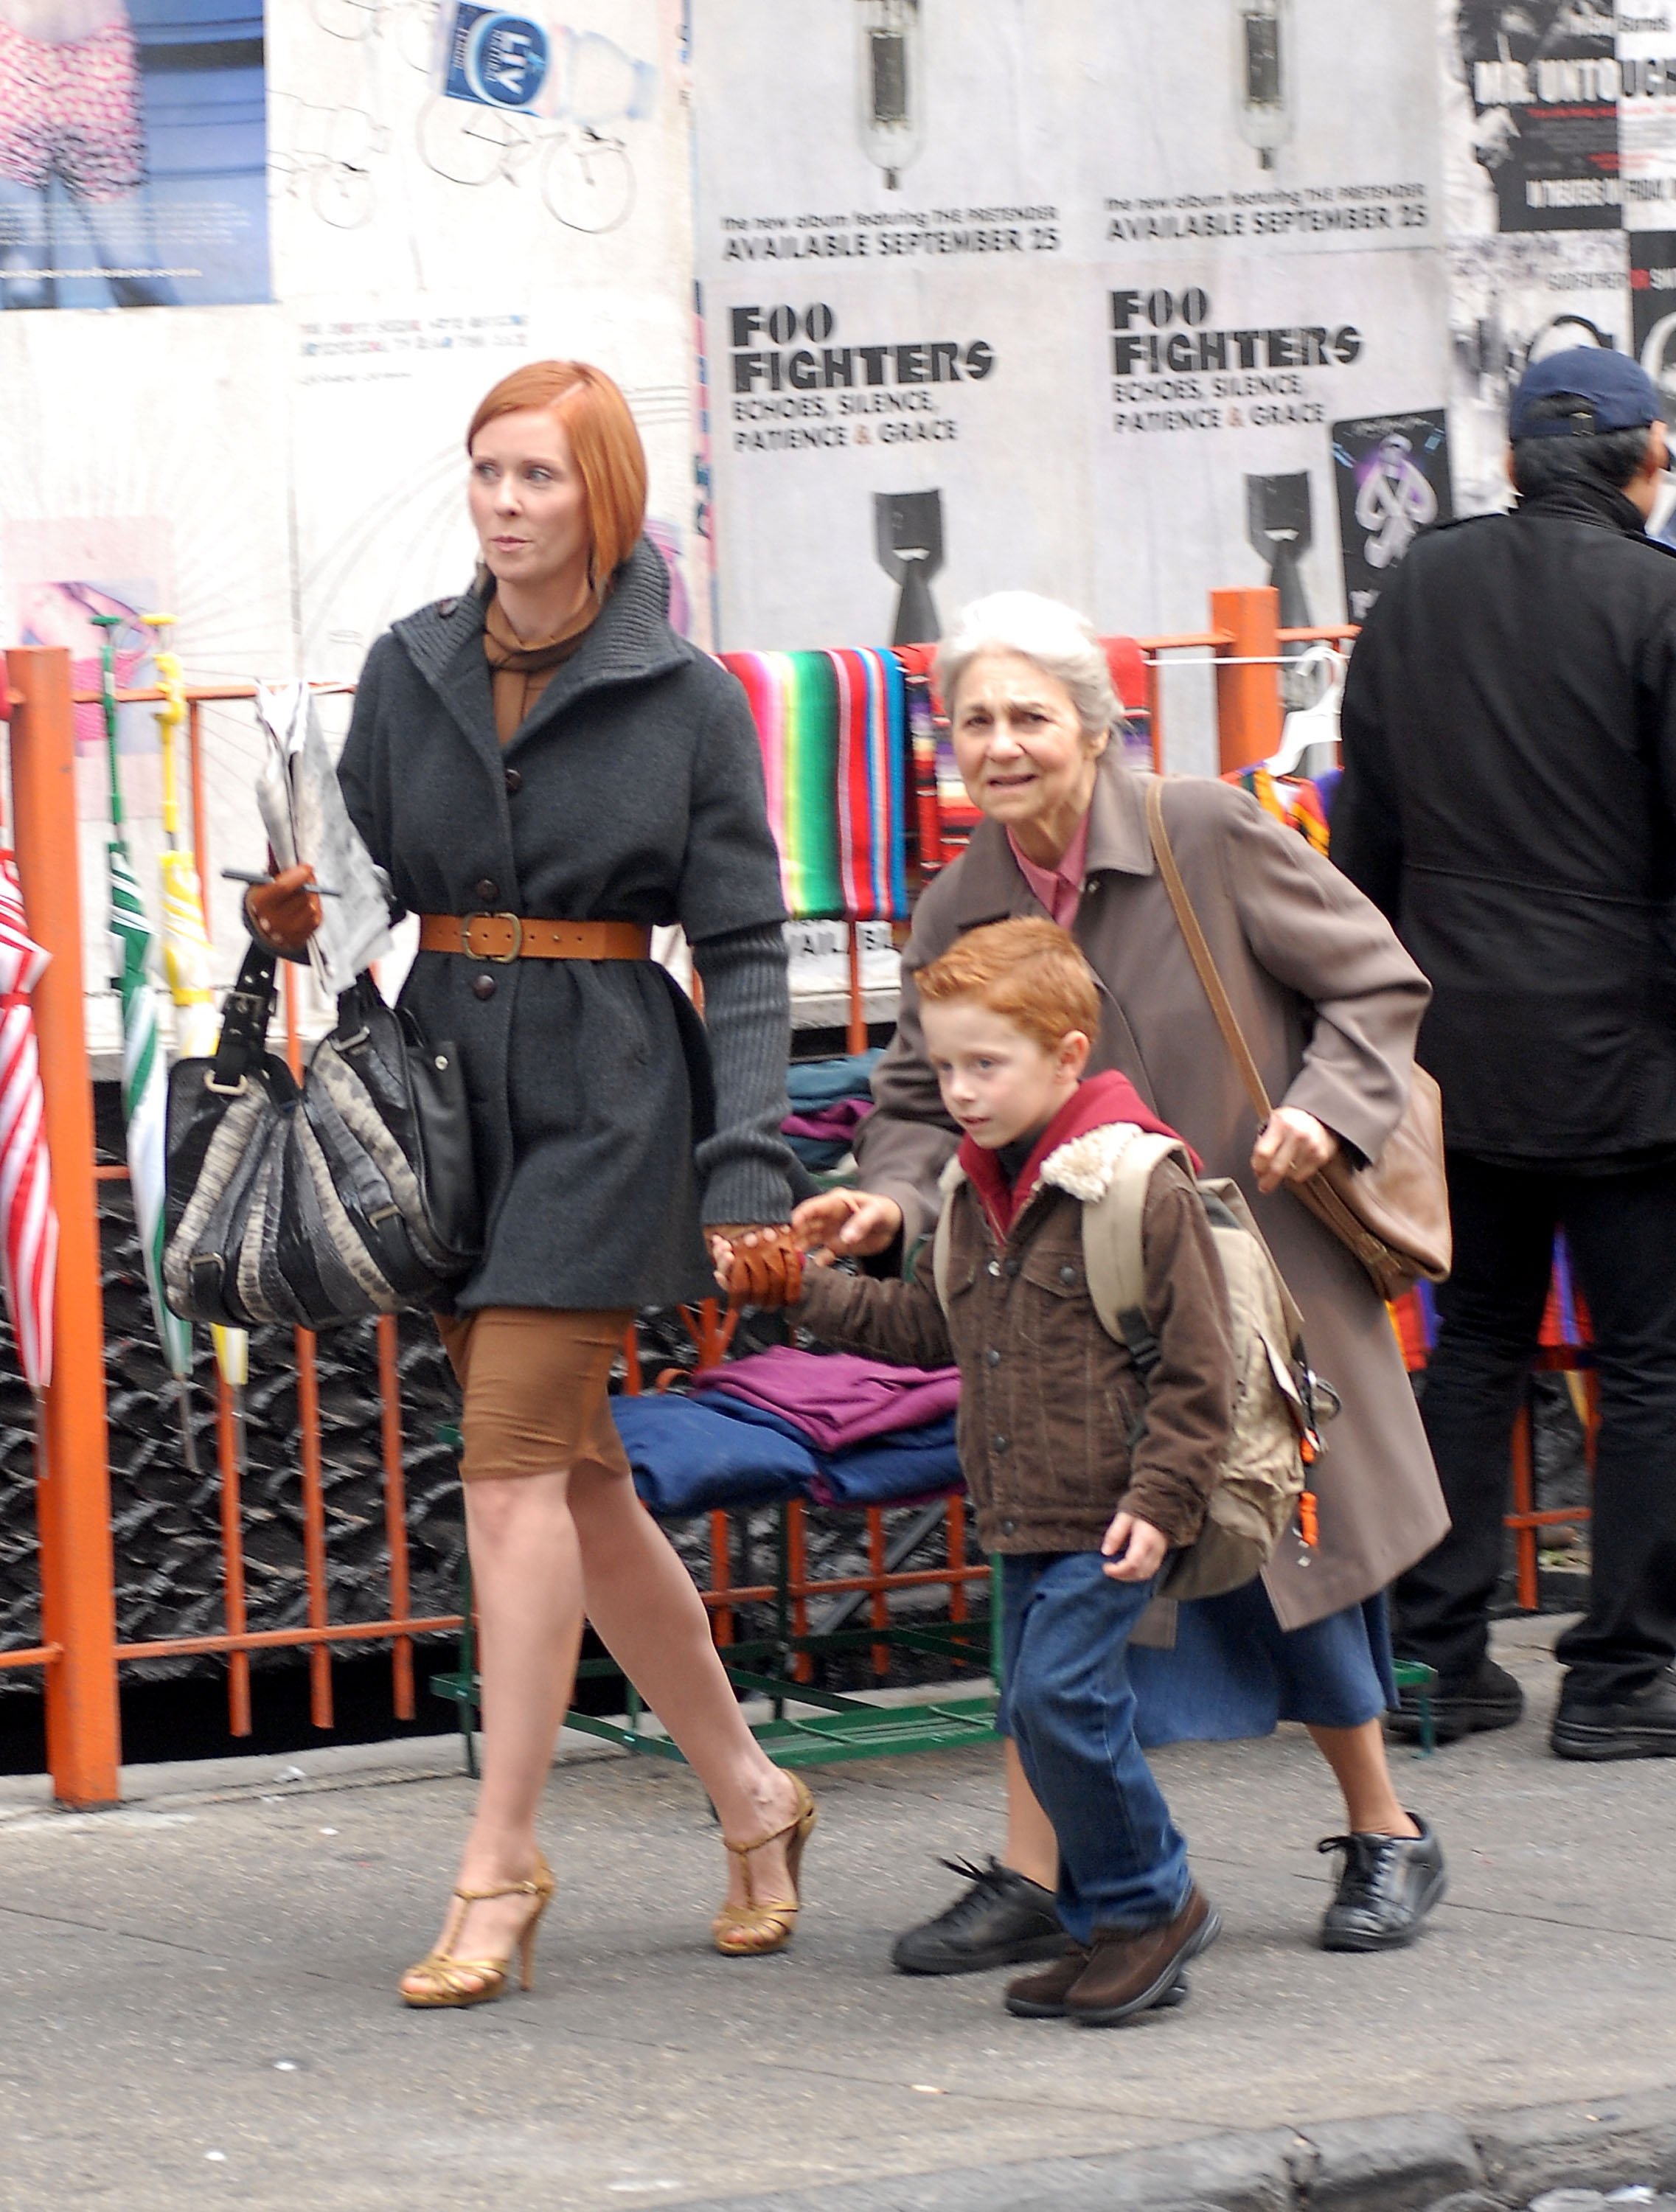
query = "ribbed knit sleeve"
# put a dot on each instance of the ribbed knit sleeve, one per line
(745, 1167)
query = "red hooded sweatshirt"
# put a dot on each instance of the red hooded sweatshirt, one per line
(1098, 1101)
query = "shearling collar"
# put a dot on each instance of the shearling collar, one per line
(1101, 1103)
(991, 882)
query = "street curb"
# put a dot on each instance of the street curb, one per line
(1400, 2162)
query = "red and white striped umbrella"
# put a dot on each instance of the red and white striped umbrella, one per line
(28, 1224)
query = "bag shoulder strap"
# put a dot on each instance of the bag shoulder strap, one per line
(245, 1012)
(1114, 1252)
(1203, 960)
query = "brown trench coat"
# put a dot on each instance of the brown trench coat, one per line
(1330, 1004)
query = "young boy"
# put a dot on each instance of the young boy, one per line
(1049, 1403)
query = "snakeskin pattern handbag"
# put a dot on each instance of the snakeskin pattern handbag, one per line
(351, 1194)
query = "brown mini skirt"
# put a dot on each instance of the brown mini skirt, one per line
(535, 1385)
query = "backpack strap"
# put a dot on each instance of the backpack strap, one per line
(1113, 1255)
(948, 1183)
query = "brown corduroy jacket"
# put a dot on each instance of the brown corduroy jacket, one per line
(1047, 1400)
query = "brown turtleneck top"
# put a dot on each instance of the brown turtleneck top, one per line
(520, 670)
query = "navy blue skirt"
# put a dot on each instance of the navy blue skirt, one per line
(1235, 1672)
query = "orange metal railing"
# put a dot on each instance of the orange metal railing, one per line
(79, 1653)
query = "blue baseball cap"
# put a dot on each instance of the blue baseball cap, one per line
(1617, 391)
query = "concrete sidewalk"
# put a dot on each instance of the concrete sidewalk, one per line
(196, 1992)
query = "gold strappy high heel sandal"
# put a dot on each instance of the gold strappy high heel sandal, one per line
(762, 1924)
(444, 1971)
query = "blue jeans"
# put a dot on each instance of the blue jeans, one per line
(1071, 1710)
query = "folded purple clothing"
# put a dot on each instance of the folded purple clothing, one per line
(826, 1123)
(835, 1398)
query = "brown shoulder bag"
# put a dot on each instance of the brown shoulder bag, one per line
(1394, 1213)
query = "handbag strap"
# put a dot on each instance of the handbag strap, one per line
(1200, 950)
(245, 1012)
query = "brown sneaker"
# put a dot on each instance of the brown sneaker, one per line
(1130, 1970)
(1042, 1996)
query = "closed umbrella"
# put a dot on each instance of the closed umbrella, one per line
(142, 1086)
(28, 1224)
(186, 944)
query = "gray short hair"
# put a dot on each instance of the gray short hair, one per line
(1061, 642)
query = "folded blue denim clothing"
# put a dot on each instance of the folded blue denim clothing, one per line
(812, 1084)
(907, 1463)
(688, 1460)
(889, 1470)
(818, 1153)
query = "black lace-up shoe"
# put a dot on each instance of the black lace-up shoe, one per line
(1464, 1705)
(1004, 1919)
(1388, 1884)
(1641, 1726)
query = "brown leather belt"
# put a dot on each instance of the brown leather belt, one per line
(507, 937)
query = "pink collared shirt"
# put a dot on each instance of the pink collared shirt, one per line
(1059, 888)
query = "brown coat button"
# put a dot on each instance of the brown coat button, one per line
(486, 888)
(515, 779)
(484, 985)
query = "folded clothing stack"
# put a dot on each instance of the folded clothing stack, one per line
(783, 1424)
(829, 1100)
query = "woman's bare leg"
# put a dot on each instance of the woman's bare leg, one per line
(1363, 1772)
(650, 1617)
(526, 1579)
(1032, 1848)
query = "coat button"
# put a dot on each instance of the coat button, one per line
(994, 1267)
(992, 1358)
(515, 779)
(484, 986)
(1001, 1444)
(1009, 1528)
(446, 607)
(1010, 1269)
(486, 888)
(1067, 1274)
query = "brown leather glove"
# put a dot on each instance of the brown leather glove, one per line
(282, 914)
(765, 1268)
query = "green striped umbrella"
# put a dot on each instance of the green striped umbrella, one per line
(142, 1072)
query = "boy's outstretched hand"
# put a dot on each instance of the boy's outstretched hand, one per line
(1134, 1549)
(758, 1267)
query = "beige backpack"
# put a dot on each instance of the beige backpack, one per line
(1262, 1479)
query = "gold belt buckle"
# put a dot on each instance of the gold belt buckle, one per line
(502, 959)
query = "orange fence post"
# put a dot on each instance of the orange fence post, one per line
(1250, 719)
(77, 1566)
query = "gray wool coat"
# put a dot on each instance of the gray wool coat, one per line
(1330, 1004)
(632, 793)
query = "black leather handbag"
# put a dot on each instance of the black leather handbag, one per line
(351, 1194)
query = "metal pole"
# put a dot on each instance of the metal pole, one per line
(1249, 717)
(78, 1579)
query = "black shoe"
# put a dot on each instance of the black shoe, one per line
(1640, 1726)
(1388, 1884)
(1467, 1704)
(1004, 1919)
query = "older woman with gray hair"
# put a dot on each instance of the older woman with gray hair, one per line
(1330, 1004)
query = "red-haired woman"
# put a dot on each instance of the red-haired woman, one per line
(546, 750)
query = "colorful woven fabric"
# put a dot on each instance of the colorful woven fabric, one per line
(833, 731)
(1292, 799)
(871, 785)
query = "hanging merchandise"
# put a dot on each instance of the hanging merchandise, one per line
(833, 728)
(186, 946)
(28, 1223)
(141, 1059)
(872, 844)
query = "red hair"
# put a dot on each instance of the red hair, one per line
(610, 456)
(1027, 970)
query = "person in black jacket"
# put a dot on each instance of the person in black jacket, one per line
(1510, 800)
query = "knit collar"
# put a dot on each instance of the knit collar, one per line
(629, 640)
